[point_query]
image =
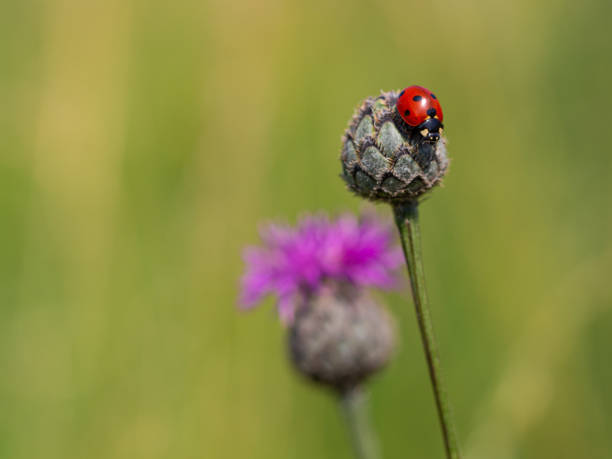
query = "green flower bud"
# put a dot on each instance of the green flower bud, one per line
(384, 160)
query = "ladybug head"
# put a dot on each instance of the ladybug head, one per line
(430, 129)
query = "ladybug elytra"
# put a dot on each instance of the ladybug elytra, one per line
(420, 109)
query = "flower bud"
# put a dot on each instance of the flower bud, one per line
(341, 336)
(383, 159)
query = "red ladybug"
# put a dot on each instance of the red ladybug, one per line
(419, 108)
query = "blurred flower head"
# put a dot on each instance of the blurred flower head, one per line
(295, 263)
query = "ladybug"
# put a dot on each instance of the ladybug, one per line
(420, 110)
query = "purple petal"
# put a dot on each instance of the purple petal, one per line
(302, 259)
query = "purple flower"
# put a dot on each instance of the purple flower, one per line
(298, 261)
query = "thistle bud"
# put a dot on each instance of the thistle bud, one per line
(341, 336)
(384, 158)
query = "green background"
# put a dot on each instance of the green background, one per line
(142, 143)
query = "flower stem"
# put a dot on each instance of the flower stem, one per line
(407, 219)
(354, 406)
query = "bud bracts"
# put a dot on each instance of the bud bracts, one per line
(383, 160)
(340, 337)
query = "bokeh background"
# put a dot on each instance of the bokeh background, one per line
(141, 144)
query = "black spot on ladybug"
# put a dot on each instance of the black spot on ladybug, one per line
(431, 112)
(417, 98)
(433, 95)
(407, 112)
(402, 93)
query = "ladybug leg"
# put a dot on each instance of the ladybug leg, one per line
(424, 154)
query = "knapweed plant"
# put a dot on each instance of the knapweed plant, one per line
(393, 151)
(321, 273)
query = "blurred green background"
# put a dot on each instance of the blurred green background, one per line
(143, 141)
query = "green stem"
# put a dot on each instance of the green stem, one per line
(354, 405)
(407, 219)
